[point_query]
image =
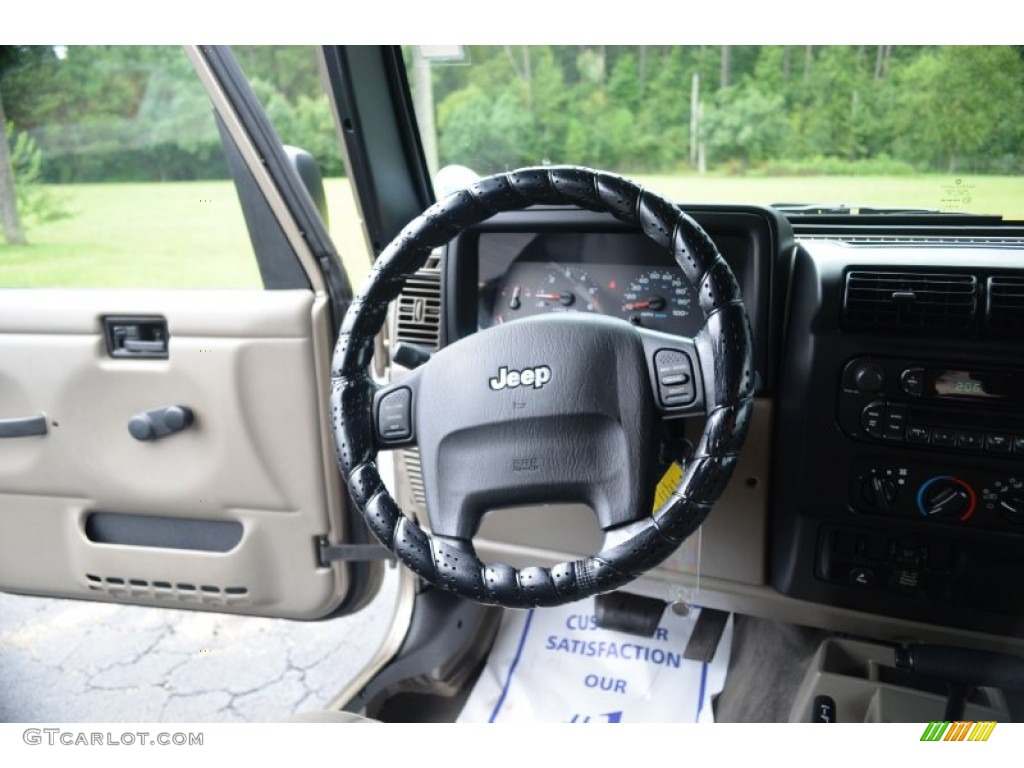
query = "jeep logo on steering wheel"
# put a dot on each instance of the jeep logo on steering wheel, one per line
(535, 377)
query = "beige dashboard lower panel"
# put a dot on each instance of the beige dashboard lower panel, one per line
(245, 362)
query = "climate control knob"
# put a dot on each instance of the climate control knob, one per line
(1011, 502)
(946, 497)
(879, 491)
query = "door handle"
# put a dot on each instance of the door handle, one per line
(26, 427)
(160, 422)
(155, 348)
(141, 337)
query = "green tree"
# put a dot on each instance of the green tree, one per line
(10, 219)
(487, 131)
(962, 106)
(745, 125)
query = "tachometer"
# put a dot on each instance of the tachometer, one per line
(533, 288)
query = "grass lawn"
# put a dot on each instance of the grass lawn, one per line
(158, 235)
(192, 234)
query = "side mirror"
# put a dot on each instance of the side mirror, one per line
(309, 172)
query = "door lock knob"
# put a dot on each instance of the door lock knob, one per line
(160, 422)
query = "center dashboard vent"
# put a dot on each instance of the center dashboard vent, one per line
(1005, 310)
(920, 301)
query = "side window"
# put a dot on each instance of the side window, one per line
(287, 81)
(114, 174)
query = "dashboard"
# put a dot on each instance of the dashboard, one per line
(884, 475)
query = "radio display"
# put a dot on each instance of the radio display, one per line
(950, 383)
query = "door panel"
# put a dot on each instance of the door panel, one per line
(252, 366)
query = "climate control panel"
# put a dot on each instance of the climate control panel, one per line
(928, 492)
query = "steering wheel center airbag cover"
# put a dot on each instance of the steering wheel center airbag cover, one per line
(546, 409)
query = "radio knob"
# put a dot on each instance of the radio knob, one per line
(868, 377)
(946, 497)
(912, 381)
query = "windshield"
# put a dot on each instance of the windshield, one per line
(873, 126)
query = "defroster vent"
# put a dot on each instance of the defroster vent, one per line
(923, 301)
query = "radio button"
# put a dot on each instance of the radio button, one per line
(871, 418)
(912, 381)
(997, 443)
(919, 435)
(895, 423)
(973, 441)
(944, 437)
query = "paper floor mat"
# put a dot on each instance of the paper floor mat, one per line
(556, 665)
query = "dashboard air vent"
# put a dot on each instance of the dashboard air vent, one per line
(418, 321)
(1005, 311)
(419, 307)
(910, 300)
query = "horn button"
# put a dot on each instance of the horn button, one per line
(556, 408)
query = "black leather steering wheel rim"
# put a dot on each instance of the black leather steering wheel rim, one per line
(725, 337)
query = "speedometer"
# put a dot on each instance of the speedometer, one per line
(658, 298)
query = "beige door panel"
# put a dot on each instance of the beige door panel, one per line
(244, 362)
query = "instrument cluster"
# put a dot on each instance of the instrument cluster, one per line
(657, 297)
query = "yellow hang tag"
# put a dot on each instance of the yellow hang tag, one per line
(668, 483)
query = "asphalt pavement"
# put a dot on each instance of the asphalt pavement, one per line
(70, 661)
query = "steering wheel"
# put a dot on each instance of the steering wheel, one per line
(551, 408)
